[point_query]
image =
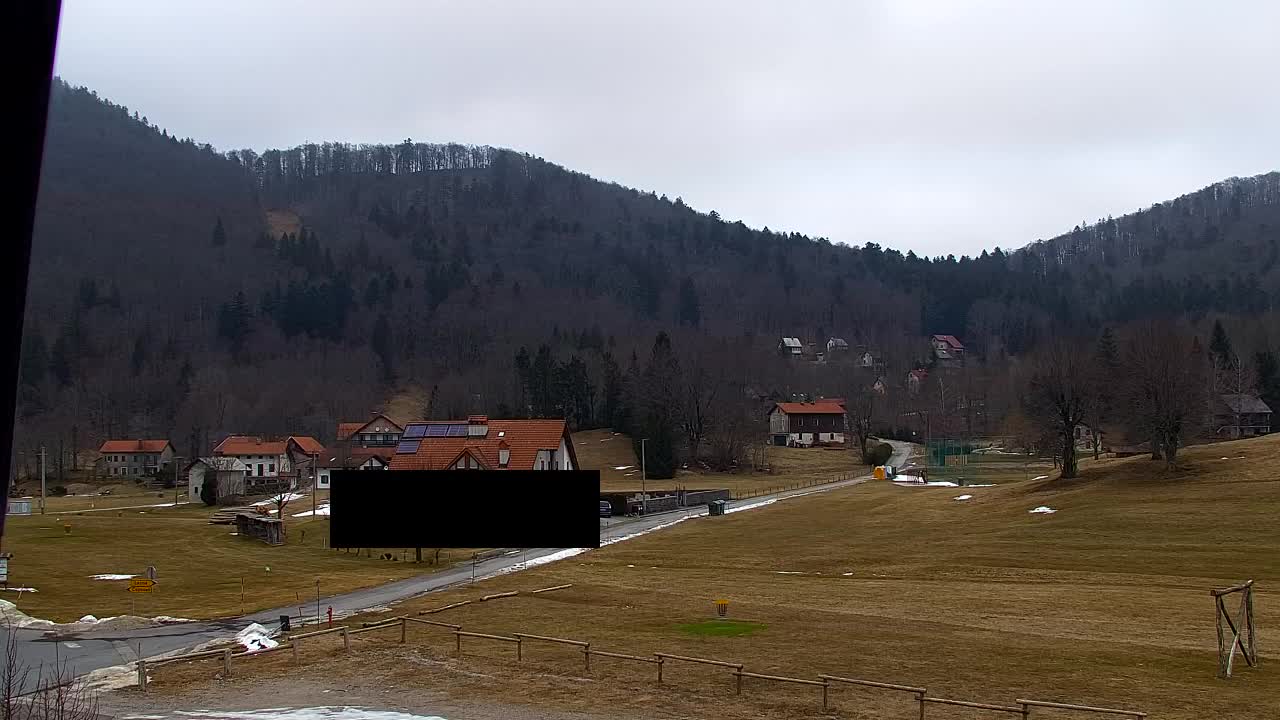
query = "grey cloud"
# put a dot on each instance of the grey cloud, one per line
(937, 126)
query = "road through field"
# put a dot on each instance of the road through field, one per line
(92, 650)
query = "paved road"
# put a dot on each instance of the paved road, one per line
(93, 650)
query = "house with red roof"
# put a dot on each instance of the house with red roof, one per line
(134, 458)
(378, 431)
(947, 350)
(803, 424)
(481, 443)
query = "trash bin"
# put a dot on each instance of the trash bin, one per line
(716, 507)
(284, 623)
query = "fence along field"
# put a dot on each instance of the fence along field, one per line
(737, 670)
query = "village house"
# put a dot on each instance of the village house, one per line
(947, 350)
(357, 458)
(1238, 415)
(227, 472)
(134, 458)
(378, 431)
(837, 345)
(791, 347)
(1085, 436)
(479, 443)
(869, 360)
(805, 424)
(915, 379)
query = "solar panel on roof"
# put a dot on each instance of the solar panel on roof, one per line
(408, 446)
(437, 430)
(415, 431)
(457, 431)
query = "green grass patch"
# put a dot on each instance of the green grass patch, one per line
(722, 628)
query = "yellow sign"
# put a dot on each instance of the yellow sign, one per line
(722, 607)
(141, 585)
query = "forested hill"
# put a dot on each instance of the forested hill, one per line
(184, 291)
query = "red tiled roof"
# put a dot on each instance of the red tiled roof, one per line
(307, 444)
(524, 437)
(950, 340)
(247, 445)
(919, 374)
(818, 408)
(346, 430)
(133, 446)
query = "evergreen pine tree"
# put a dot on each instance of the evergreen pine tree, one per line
(381, 344)
(690, 306)
(1220, 351)
(1267, 368)
(35, 359)
(659, 401)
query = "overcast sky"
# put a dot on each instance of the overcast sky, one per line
(940, 126)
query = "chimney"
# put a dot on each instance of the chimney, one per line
(477, 425)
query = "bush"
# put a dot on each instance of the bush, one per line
(57, 491)
(879, 454)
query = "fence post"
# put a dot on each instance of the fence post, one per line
(1026, 711)
(519, 652)
(142, 675)
(404, 630)
(920, 699)
(825, 685)
(659, 669)
(458, 639)
(294, 644)
(346, 640)
(226, 663)
(586, 654)
(738, 676)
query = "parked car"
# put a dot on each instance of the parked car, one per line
(606, 509)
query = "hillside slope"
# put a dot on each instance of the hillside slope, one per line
(176, 290)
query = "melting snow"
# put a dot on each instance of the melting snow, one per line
(752, 506)
(1040, 477)
(628, 467)
(320, 510)
(962, 497)
(848, 574)
(790, 572)
(917, 483)
(308, 713)
(21, 590)
(111, 576)
(1043, 510)
(255, 637)
(272, 501)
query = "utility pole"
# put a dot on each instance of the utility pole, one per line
(315, 488)
(644, 494)
(41, 479)
(175, 481)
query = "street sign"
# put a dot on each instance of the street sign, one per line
(138, 585)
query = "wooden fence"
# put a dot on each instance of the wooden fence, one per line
(774, 489)
(657, 659)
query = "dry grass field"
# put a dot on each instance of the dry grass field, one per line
(611, 453)
(1104, 602)
(200, 566)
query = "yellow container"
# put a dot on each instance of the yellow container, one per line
(879, 472)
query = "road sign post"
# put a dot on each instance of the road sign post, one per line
(141, 585)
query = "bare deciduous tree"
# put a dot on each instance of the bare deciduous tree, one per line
(1164, 386)
(1063, 391)
(42, 693)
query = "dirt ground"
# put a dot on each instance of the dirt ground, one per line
(1104, 602)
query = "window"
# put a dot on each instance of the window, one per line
(259, 469)
(271, 467)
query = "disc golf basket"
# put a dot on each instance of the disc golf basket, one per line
(1242, 630)
(722, 608)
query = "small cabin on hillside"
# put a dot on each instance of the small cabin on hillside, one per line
(803, 424)
(1240, 415)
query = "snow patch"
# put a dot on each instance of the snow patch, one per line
(918, 483)
(628, 467)
(255, 637)
(20, 589)
(789, 572)
(1043, 510)
(289, 497)
(751, 506)
(112, 576)
(308, 713)
(848, 574)
(322, 510)
(88, 619)
(1046, 477)
(962, 497)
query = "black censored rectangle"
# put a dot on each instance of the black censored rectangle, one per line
(464, 509)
